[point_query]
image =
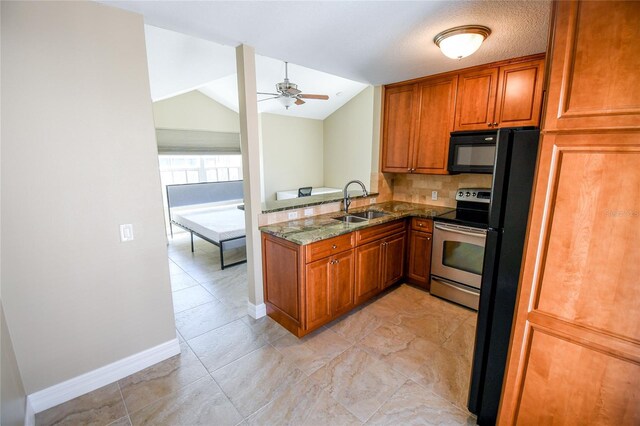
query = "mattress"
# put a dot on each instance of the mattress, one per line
(215, 222)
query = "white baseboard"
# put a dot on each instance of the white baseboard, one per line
(256, 311)
(29, 414)
(72, 388)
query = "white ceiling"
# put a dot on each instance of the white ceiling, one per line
(373, 42)
(179, 63)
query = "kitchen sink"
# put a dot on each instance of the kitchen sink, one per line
(350, 219)
(370, 214)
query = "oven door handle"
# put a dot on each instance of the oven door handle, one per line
(481, 234)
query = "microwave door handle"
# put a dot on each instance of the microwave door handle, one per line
(459, 231)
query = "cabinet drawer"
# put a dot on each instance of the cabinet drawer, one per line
(420, 224)
(327, 247)
(376, 232)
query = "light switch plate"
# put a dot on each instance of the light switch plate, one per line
(372, 200)
(434, 195)
(126, 232)
(308, 212)
(292, 215)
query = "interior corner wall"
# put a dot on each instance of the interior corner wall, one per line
(292, 150)
(195, 111)
(348, 135)
(13, 396)
(79, 158)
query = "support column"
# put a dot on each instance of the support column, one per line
(251, 174)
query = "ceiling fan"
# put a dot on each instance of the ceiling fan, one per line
(288, 92)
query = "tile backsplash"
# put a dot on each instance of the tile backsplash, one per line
(416, 188)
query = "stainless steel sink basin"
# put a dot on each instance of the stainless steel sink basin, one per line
(370, 214)
(350, 219)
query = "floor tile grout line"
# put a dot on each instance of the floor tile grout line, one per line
(126, 409)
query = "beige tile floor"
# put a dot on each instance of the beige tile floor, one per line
(403, 358)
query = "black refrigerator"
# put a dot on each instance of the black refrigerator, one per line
(516, 155)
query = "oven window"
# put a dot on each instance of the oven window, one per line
(464, 256)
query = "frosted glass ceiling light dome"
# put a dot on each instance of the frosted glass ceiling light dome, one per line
(286, 101)
(460, 42)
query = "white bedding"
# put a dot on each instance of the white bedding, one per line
(214, 221)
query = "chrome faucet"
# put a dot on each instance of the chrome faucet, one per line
(347, 200)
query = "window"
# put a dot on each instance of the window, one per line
(176, 169)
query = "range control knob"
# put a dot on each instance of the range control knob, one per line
(460, 194)
(468, 194)
(474, 194)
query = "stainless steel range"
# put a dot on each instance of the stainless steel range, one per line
(458, 248)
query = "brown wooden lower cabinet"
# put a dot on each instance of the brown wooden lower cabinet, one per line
(419, 263)
(308, 286)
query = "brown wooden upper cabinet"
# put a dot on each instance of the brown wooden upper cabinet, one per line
(418, 120)
(420, 114)
(506, 96)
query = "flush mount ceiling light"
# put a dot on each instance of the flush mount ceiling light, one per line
(460, 42)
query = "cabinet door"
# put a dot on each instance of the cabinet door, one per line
(435, 123)
(368, 261)
(420, 259)
(342, 283)
(318, 295)
(519, 94)
(393, 259)
(476, 100)
(400, 105)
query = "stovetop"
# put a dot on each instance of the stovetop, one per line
(472, 208)
(466, 217)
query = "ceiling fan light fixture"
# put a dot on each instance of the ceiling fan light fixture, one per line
(286, 101)
(460, 42)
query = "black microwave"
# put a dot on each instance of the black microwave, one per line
(472, 152)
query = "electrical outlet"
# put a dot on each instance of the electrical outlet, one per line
(292, 215)
(372, 200)
(308, 212)
(434, 195)
(126, 232)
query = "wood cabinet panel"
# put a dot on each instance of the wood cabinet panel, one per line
(435, 123)
(581, 385)
(476, 98)
(593, 79)
(419, 264)
(380, 231)
(422, 225)
(393, 259)
(519, 94)
(368, 259)
(343, 283)
(575, 344)
(283, 261)
(595, 222)
(400, 106)
(318, 295)
(324, 248)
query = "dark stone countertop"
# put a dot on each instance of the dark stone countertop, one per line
(316, 228)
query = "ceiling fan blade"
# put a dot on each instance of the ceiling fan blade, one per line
(308, 96)
(266, 99)
(293, 91)
(270, 94)
(300, 102)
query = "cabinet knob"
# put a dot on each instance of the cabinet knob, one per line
(337, 261)
(334, 246)
(408, 170)
(428, 238)
(495, 124)
(490, 124)
(420, 225)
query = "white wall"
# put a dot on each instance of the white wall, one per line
(348, 138)
(78, 159)
(195, 111)
(292, 150)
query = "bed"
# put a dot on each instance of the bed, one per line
(209, 210)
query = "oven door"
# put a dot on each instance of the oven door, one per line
(458, 253)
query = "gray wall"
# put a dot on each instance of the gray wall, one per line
(78, 159)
